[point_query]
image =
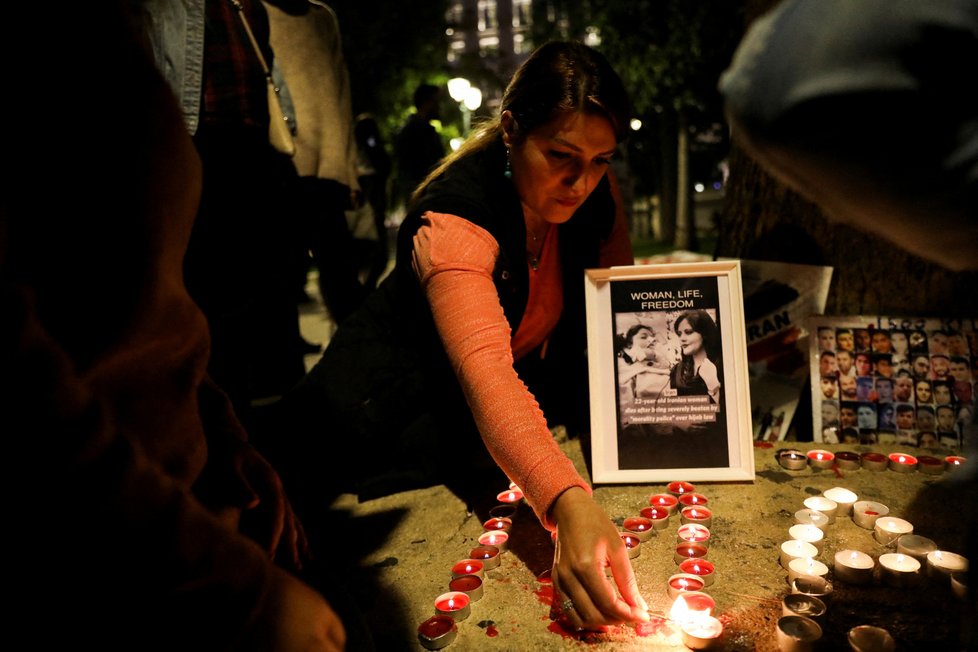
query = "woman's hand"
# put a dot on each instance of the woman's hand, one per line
(708, 372)
(587, 542)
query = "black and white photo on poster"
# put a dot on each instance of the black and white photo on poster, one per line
(669, 373)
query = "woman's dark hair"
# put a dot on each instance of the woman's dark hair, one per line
(623, 342)
(702, 323)
(558, 77)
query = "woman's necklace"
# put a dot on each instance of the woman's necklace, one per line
(535, 250)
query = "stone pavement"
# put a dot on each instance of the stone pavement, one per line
(398, 552)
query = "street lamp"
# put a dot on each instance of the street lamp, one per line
(469, 99)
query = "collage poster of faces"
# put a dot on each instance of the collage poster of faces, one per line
(908, 382)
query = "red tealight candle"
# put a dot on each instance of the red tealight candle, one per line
(821, 459)
(437, 632)
(875, 461)
(954, 461)
(640, 526)
(633, 545)
(665, 501)
(678, 488)
(848, 460)
(504, 510)
(498, 523)
(699, 567)
(496, 538)
(468, 567)
(700, 515)
(930, 465)
(693, 533)
(693, 498)
(683, 583)
(454, 604)
(686, 551)
(470, 585)
(658, 515)
(902, 462)
(488, 555)
(511, 495)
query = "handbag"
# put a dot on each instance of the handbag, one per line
(279, 129)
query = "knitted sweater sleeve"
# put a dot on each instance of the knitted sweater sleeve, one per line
(454, 259)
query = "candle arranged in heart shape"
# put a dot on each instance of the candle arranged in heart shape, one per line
(496, 538)
(806, 566)
(499, 524)
(792, 459)
(888, 529)
(865, 513)
(844, 498)
(809, 533)
(693, 533)
(867, 638)
(504, 510)
(683, 583)
(796, 549)
(954, 462)
(686, 551)
(488, 555)
(702, 633)
(814, 585)
(899, 570)
(699, 567)
(797, 633)
(437, 632)
(821, 459)
(640, 526)
(916, 546)
(511, 495)
(853, 567)
(658, 515)
(808, 516)
(941, 563)
(903, 462)
(699, 515)
(470, 585)
(693, 498)
(454, 604)
(875, 461)
(633, 545)
(677, 488)
(824, 505)
(930, 465)
(848, 460)
(468, 567)
(799, 604)
(665, 501)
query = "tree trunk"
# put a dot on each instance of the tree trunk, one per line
(668, 176)
(762, 220)
(685, 215)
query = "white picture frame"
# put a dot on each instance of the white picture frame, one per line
(654, 417)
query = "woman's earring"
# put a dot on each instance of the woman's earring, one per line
(508, 172)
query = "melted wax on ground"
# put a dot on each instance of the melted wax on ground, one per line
(490, 628)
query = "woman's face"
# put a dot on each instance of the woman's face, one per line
(559, 164)
(643, 339)
(690, 341)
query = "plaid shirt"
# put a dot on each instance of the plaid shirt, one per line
(234, 84)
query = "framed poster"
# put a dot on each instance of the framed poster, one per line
(667, 365)
(904, 381)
